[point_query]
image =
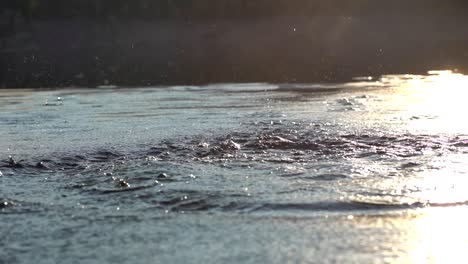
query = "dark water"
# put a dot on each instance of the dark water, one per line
(368, 171)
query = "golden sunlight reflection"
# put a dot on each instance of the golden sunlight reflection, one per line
(438, 181)
(435, 182)
(437, 102)
(428, 235)
(446, 183)
(439, 236)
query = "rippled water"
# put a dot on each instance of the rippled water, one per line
(374, 170)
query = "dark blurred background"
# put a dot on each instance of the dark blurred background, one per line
(56, 43)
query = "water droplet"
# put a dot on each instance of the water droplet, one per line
(123, 183)
(163, 176)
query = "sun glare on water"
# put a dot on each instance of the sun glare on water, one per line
(438, 236)
(440, 105)
(438, 102)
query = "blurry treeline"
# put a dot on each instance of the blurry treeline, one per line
(209, 9)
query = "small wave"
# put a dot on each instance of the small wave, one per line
(461, 144)
(311, 88)
(328, 177)
(197, 201)
(9, 206)
(283, 143)
(6, 203)
(350, 206)
(290, 155)
(328, 206)
(415, 204)
(123, 189)
(108, 184)
(105, 155)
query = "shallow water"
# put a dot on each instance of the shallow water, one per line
(372, 170)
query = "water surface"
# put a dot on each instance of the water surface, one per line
(373, 170)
